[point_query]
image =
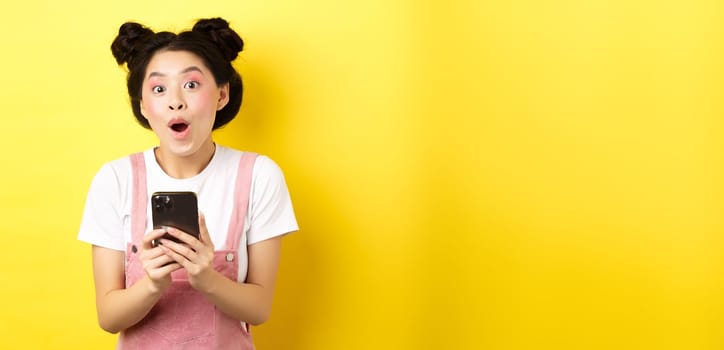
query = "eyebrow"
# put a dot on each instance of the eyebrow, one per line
(189, 69)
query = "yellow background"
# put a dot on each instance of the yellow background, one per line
(466, 174)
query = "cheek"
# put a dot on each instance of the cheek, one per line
(151, 109)
(206, 101)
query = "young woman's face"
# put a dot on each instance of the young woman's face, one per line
(179, 99)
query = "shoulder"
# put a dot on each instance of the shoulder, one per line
(113, 170)
(116, 172)
(264, 167)
(267, 180)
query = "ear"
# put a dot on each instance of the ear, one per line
(143, 110)
(223, 97)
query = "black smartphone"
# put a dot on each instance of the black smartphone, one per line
(175, 209)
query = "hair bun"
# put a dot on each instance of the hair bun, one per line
(126, 44)
(225, 38)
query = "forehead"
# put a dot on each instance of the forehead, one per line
(174, 62)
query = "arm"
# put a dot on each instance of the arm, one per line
(119, 307)
(249, 302)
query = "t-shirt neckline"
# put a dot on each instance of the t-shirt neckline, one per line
(151, 158)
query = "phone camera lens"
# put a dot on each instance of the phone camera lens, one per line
(162, 202)
(157, 203)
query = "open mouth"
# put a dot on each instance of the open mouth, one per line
(179, 125)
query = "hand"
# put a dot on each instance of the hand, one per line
(157, 265)
(195, 255)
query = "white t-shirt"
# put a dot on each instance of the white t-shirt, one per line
(107, 216)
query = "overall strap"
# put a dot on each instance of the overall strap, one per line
(139, 200)
(242, 188)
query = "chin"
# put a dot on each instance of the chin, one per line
(184, 150)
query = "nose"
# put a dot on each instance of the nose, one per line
(176, 106)
(176, 101)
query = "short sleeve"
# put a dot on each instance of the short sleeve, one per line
(102, 222)
(270, 212)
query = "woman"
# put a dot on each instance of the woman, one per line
(194, 293)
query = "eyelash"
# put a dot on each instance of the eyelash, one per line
(195, 84)
(158, 89)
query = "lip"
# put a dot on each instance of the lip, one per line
(179, 135)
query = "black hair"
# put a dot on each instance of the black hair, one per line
(210, 39)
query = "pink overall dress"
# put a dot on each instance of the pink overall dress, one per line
(183, 318)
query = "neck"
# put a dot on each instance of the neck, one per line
(182, 167)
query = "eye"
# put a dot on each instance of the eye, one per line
(191, 84)
(158, 89)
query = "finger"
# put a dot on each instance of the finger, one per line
(150, 254)
(181, 235)
(180, 249)
(151, 236)
(158, 261)
(184, 237)
(164, 270)
(172, 254)
(168, 268)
